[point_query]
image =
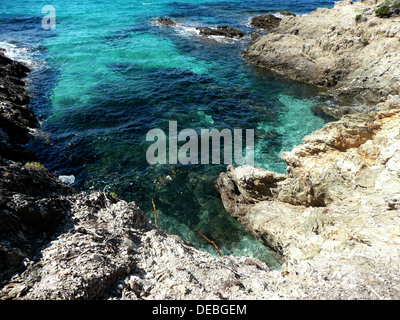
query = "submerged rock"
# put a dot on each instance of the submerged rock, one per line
(332, 112)
(222, 31)
(167, 22)
(287, 13)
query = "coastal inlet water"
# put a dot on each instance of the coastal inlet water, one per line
(107, 75)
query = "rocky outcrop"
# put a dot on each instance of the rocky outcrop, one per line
(167, 22)
(333, 219)
(241, 187)
(356, 59)
(16, 119)
(108, 249)
(265, 22)
(32, 201)
(335, 215)
(33, 204)
(219, 31)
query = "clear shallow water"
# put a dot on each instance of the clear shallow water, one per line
(106, 76)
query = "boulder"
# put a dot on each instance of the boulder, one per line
(222, 31)
(265, 22)
(167, 22)
(243, 186)
(287, 13)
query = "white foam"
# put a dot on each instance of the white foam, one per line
(223, 39)
(193, 31)
(186, 30)
(278, 15)
(20, 54)
(190, 31)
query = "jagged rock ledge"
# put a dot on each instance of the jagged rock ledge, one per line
(334, 218)
(348, 49)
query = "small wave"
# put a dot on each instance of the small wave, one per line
(223, 39)
(192, 30)
(189, 31)
(20, 54)
(186, 30)
(278, 15)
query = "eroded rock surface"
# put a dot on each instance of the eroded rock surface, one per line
(336, 214)
(265, 22)
(329, 47)
(16, 119)
(219, 31)
(332, 220)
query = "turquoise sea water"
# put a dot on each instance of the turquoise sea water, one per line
(107, 75)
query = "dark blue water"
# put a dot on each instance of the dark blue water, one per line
(107, 75)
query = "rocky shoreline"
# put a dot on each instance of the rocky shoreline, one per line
(348, 49)
(334, 217)
(332, 220)
(56, 243)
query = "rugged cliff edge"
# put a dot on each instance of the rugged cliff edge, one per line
(334, 218)
(347, 48)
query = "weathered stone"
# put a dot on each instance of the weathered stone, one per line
(241, 187)
(265, 22)
(221, 31)
(167, 22)
(327, 47)
(15, 118)
(335, 216)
